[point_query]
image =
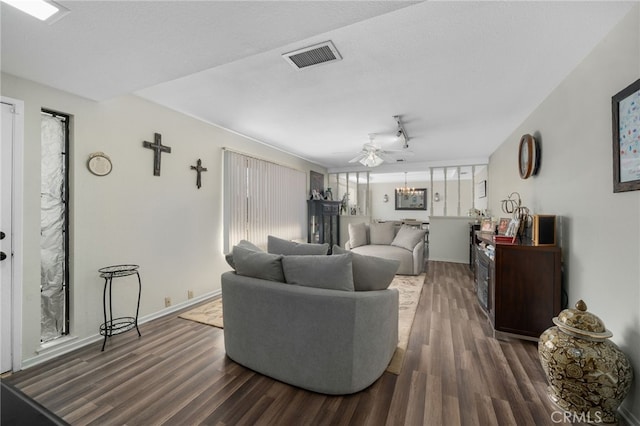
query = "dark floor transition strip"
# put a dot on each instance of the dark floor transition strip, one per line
(18, 409)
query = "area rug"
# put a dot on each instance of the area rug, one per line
(409, 288)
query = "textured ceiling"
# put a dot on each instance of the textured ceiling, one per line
(462, 75)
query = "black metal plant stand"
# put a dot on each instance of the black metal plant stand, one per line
(120, 325)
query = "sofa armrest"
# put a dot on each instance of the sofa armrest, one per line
(418, 258)
(327, 341)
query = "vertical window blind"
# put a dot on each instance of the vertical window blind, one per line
(261, 199)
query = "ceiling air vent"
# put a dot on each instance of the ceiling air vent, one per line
(313, 55)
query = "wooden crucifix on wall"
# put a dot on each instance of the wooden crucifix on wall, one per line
(199, 169)
(158, 149)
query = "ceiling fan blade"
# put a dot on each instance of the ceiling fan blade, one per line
(358, 157)
(399, 152)
(383, 155)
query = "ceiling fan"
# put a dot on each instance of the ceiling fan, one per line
(372, 154)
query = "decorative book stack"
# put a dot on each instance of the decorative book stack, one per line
(504, 239)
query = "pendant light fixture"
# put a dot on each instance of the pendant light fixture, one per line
(405, 190)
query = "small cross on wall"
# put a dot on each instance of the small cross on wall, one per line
(199, 169)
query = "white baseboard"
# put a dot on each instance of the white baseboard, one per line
(68, 344)
(179, 306)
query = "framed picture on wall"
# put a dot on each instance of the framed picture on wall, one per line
(316, 183)
(625, 109)
(416, 200)
(481, 188)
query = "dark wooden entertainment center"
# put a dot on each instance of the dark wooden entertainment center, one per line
(520, 287)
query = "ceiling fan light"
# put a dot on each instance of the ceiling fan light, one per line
(371, 160)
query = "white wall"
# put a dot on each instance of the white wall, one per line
(449, 239)
(387, 211)
(480, 203)
(165, 224)
(600, 232)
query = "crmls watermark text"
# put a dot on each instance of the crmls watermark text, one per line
(566, 417)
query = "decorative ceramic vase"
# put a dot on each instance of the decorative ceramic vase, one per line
(588, 375)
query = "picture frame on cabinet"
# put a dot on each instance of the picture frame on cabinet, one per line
(625, 110)
(503, 225)
(486, 225)
(512, 229)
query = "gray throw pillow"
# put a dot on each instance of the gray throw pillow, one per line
(370, 272)
(381, 233)
(243, 243)
(408, 237)
(357, 234)
(258, 264)
(329, 272)
(277, 245)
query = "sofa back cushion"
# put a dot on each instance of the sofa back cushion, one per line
(369, 272)
(277, 245)
(243, 243)
(408, 237)
(258, 264)
(358, 234)
(329, 272)
(381, 233)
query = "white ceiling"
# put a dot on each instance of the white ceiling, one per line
(463, 75)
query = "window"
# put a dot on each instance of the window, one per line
(261, 199)
(54, 224)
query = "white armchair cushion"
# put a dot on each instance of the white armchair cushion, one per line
(357, 234)
(381, 233)
(408, 237)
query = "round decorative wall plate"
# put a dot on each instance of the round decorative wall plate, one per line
(99, 164)
(528, 156)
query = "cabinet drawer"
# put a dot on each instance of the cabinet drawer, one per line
(331, 209)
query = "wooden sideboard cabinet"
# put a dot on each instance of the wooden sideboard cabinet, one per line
(524, 288)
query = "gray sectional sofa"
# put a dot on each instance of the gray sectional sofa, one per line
(325, 323)
(405, 244)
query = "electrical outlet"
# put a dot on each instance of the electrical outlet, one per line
(167, 301)
(190, 294)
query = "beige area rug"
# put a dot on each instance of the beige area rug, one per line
(409, 288)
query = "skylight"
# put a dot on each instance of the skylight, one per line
(44, 10)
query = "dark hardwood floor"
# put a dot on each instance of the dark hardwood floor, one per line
(454, 373)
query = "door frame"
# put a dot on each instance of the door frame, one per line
(17, 204)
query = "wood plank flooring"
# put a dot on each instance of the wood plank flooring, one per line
(454, 373)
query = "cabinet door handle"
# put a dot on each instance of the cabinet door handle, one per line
(2, 235)
(2, 255)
